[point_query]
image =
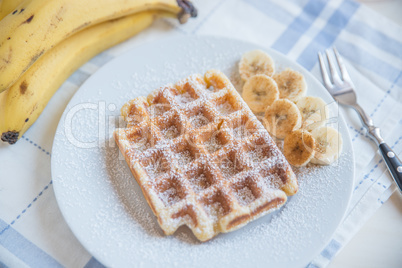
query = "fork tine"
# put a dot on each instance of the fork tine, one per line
(324, 73)
(342, 66)
(335, 77)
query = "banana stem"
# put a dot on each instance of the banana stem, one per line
(187, 10)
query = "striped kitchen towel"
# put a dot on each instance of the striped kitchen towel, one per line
(32, 230)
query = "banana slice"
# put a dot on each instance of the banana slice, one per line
(282, 117)
(298, 147)
(328, 145)
(259, 92)
(255, 62)
(314, 112)
(291, 84)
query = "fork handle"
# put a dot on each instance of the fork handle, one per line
(394, 164)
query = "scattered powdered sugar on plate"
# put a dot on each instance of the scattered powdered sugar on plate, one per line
(104, 205)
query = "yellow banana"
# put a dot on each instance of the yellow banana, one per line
(23, 102)
(36, 26)
(7, 6)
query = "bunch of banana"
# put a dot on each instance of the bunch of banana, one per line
(43, 42)
(288, 113)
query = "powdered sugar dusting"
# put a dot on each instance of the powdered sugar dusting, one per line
(199, 120)
(170, 196)
(157, 109)
(155, 168)
(170, 132)
(244, 196)
(272, 182)
(225, 108)
(184, 98)
(213, 144)
(141, 145)
(199, 183)
(184, 157)
(240, 132)
(228, 168)
(257, 155)
(210, 90)
(214, 210)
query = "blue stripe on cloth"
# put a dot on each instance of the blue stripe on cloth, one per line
(298, 2)
(216, 7)
(378, 39)
(35, 144)
(24, 249)
(370, 62)
(330, 251)
(272, 10)
(101, 59)
(2, 265)
(312, 266)
(78, 77)
(93, 263)
(326, 37)
(299, 26)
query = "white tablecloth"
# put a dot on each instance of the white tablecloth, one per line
(32, 229)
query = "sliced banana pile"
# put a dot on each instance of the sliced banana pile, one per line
(288, 113)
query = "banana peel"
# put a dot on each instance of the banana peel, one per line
(24, 101)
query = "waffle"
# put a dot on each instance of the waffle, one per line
(202, 158)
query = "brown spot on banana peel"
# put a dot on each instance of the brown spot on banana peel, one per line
(34, 108)
(56, 20)
(33, 59)
(6, 60)
(82, 26)
(23, 87)
(28, 20)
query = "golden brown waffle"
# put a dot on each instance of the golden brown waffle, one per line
(202, 158)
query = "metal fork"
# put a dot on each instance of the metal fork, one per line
(342, 89)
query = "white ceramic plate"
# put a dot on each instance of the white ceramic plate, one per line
(104, 206)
